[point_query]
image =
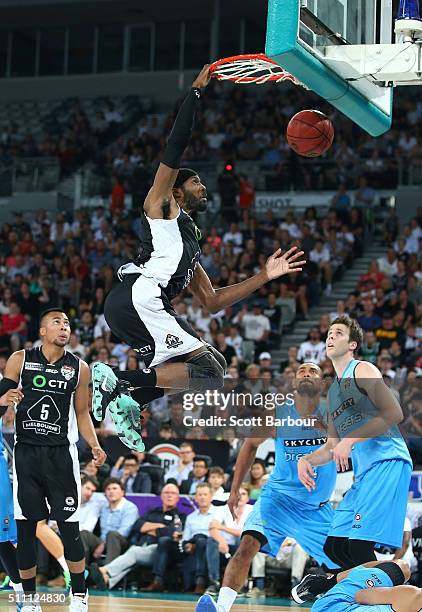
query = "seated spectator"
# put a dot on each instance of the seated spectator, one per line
(235, 340)
(153, 542)
(373, 274)
(387, 332)
(388, 263)
(225, 349)
(257, 477)
(320, 255)
(216, 480)
(370, 347)
(14, 325)
(324, 326)
(291, 360)
(116, 520)
(195, 538)
(313, 349)
(182, 468)
(224, 537)
(132, 477)
(369, 320)
(196, 477)
(256, 326)
(91, 503)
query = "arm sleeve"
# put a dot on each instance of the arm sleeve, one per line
(182, 129)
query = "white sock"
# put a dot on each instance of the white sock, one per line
(16, 586)
(226, 599)
(63, 563)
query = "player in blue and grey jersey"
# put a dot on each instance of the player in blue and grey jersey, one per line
(364, 417)
(285, 508)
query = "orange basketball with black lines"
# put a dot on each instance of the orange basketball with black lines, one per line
(310, 133)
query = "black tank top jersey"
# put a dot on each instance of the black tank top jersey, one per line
(170, 251)
(46, 416)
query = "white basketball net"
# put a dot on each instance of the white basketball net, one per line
(257, 69)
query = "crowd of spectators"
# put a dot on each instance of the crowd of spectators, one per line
(68, 132)
(235, 124)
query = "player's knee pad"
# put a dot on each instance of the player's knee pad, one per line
(73, 547)
(361, 551)
(27, 550)
(219, 356)
(337, 549)
(205, 372)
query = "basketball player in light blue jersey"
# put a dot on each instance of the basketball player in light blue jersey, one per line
(373, 587)
(364, 417)
(8, 534)
(285, 508)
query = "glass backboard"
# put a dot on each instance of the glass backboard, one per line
(300, 34)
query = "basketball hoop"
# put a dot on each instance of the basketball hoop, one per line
(251, 68)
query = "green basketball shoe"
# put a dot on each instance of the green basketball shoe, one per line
(126, 415)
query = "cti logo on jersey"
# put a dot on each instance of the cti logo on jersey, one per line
(173, 341)
(40, 382)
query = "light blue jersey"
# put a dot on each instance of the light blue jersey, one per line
(375, 506)
(286, 508)
(296, 438)
(342, 596)
(7, 521)
(350, 409)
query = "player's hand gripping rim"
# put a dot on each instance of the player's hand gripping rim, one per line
(306, 474)
(203, 78)
(279, 264)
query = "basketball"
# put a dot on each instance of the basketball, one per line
(310, 133)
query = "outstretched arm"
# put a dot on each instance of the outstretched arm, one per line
(161, 191)
(403, 598)
(217, 299)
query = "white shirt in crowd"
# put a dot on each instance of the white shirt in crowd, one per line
(89, 512)
(320, 256)
(311, 352)
(389, 269)
(174, 472)
(224, 516)
(235, 237)
(236, 343)
(255, 326)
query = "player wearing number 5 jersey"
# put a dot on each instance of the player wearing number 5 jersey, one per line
(52, 406)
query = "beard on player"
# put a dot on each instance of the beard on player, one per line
(192, 202)
(309, 387)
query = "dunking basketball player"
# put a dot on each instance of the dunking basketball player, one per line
(364, 417)
(285, 508)
(51, 393)
(139, 311)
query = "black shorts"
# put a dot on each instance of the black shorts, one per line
(46, 475)
(139, 313)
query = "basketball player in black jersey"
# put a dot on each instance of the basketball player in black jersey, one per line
(52, 406)
(139, 310)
